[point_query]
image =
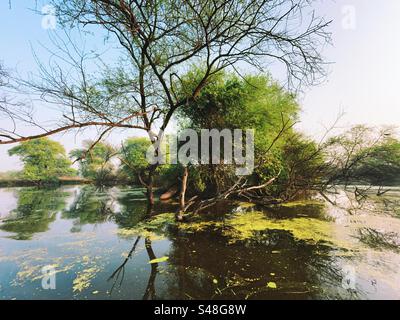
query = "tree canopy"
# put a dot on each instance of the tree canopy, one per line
(252, 102)
(95, 160)
(43, 159)
(382, 164)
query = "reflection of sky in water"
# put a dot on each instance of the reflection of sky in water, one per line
(8, 202)
(86, 235)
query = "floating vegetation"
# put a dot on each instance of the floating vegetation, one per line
(32, 270)
(197, 226)
(139, 232)
(302, 203)
(31, 264)
(26, 273)
(242, 226)
(152, 229)
(158, 260)
(237, 250)
(83, 278)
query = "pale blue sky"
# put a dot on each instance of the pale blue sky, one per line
(362, 81)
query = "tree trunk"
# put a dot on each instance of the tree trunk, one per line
(185, 176)
(149, 189)
(150, 192)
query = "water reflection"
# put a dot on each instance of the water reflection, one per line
(90, 206)
(208, 266)
(104, 247)
(119, 274)
(150, 292)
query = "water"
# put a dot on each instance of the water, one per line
(101, 246)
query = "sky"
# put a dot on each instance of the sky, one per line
(362, 81)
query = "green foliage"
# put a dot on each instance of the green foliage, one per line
(363, 155)
(134, 162)
(303, 165)
(252, 102)
(133, 155)
(44, 160)
(9, 175)
(95, 162)
(227, 101)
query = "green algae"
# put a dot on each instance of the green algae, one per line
(159, 260)
(199, 226)
(244, 225)
(272, 285)
(83, 278)
(302, 203)
(152, 229)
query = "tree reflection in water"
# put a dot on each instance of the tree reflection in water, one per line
(204, 264)
(119, 274)
(91, 205)
(207, 266)
(150, 293)
(36, 209)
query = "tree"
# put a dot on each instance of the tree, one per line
(360, 155)
(160, 40)
(382, 165)
(133, 157)
(349, 150)
(43, 160)
(231, 102)
(303, 166)
(95, 161)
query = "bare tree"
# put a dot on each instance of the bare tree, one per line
(333, 164)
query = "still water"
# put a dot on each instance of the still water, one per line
(101, 246)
